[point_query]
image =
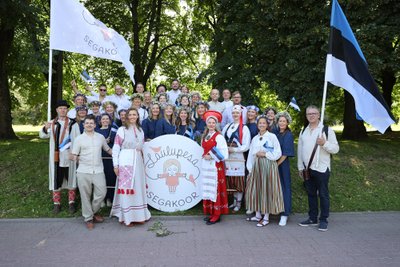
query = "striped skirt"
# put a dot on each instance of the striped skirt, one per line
(263, 190)
(235, 184)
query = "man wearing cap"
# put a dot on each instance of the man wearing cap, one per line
(61, 169)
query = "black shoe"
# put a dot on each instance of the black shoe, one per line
(213, 222)
(308, 222)
(323, 226)
(206, 219)
(57, 208)
(72, 208)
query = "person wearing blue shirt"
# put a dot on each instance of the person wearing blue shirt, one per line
(108, 129)
(285, 138)
(199, 110)
(151, 123)
(167, 123)
(184, 126)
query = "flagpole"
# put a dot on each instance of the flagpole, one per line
(50, 82)
(322, 117)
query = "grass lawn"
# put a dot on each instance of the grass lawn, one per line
(364, 178)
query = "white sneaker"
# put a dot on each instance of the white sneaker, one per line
(283, 220)
(102, 205)
(249, 212)
(109, 203)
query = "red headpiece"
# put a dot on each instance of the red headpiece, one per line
(212, 114)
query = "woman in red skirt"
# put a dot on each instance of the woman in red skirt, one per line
(215, 198)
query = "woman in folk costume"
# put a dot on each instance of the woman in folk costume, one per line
(263, 190)
(61, 168)
(215, 198)
(237, 136)
(130, 201)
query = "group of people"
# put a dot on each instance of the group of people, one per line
(246, 153)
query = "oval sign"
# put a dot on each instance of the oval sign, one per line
(172, 166)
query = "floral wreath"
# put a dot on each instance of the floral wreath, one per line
(157, 97)
(195, 93)
(105, 104)
(187, 109)
(183, 95)
(283, 114)
(94, 103)
(137, 95)
(79, 94)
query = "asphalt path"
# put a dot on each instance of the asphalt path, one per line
(353, 239)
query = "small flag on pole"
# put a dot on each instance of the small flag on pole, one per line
(293, 104)
(346, 67)
(87, 78)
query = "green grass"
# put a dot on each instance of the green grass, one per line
(364, 178)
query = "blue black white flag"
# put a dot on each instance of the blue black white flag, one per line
(346, 67)
(293, 104)
(87, 78)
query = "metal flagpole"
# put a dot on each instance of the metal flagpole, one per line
(50, 82)
(322, 117)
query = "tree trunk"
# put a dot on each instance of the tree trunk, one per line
(6, 130)
(353, 129)
(388, 82)
(56, 81)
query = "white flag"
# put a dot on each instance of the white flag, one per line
(74, 29)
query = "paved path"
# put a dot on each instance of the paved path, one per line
(353, 239)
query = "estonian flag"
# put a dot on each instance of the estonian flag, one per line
(87, 78)
(346, 67)
(293, 104)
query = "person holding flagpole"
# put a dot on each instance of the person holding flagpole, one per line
(316, 174)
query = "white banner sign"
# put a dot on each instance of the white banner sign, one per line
(73, 28)
(172, 165)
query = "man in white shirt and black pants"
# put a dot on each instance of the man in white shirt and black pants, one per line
(90, 173)
(317, 184)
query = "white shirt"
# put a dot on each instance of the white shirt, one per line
(306, 144)
(218, 106)
(173, 96)
(89, 147)
(95, 97)
(269, 143)
(227, 116)
(227, 103)
(122, 101)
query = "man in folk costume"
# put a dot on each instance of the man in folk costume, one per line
(61, 169)
(237, 135)
(215, 198)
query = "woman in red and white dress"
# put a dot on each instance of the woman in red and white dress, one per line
(215, 198)
(130, 201)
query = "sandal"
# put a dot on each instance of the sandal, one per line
(262, 223)
(253, 219)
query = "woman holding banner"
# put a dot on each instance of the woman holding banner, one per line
(215, 198)
(130, 202)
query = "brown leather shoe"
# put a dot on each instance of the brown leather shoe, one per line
(90, 225)
(57, 208)
(98, 218)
